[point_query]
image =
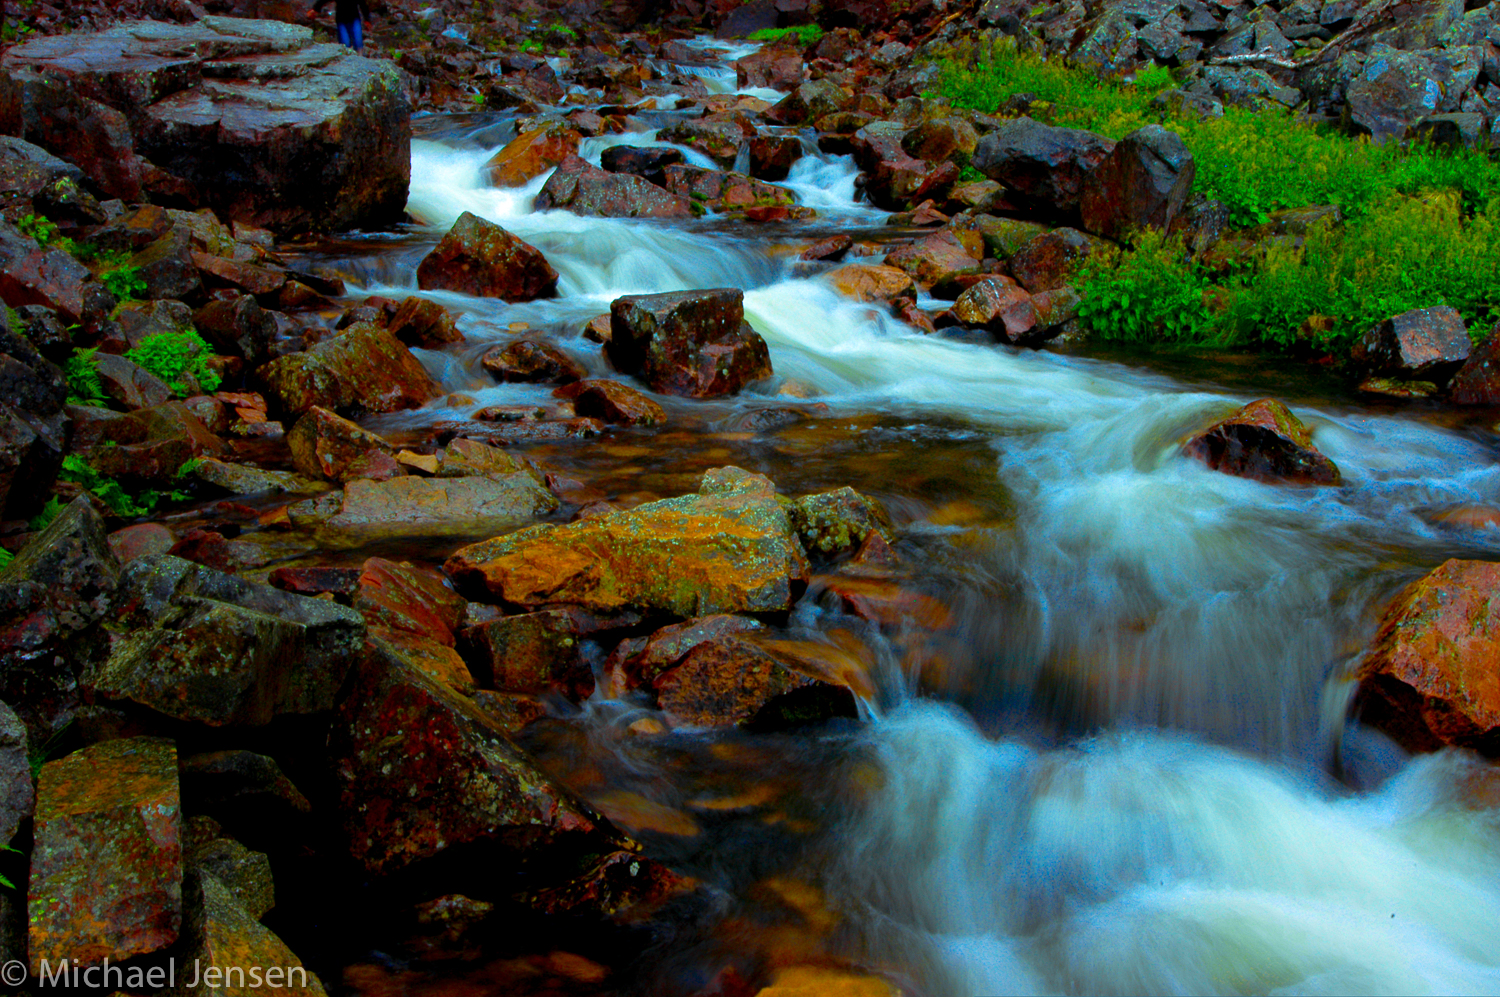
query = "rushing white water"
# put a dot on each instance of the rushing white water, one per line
(1134, 591)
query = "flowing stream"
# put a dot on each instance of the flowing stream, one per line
(1113, 770)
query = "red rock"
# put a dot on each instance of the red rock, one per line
(690, 343)
(892, 178)
(211, 549)
(405, 597)
(613, 402)
(584, 189)
(646, 162)
(773, 67)
(772, 156)
(238, 326)
(316, 580)
(1052, 259)
(939, 139)
(32, 275)
(885, 601)
(1426, 344)
(530, 652)
(715, 190)
(986, 304)
(246, 277)
(1142, 183)
(421, 769)
(718, 139)
(1478, 381)
(148, 447)
(423, 323)
(106, 867)
(130, 386)
(139, 540)
(1432, 675)
(832, 248)
(1263, 441)
(532, 361)
(938, 257)
(325, 445)
(480, 258)
(532, 153)
(436, 660)
(364, 368)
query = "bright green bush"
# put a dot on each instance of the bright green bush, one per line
(1155, 294)
(170, 355)
(804, 35)
(84, 386)
(122, 503)
(5, 558)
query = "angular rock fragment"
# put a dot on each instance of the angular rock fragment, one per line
(690, 343)
(480, 258)
(1263, 441)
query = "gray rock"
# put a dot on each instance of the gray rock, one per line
(17, 796)
(1427, 344)
(1142, 183)
(1041, 163)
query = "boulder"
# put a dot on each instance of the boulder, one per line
(480, 258)
(1397, 89)
(992, 304)
(325, 445)
(147, 448)
(891, 177)
(36, 275)
(1052, 259)
(1041, 164)
(402, 596)
(35, 182)
(809, 102)
(17, 797)
(1263, 441)
(612, 402)
(530, 652)
(584, 189)
(364, 369)
(411, 505)
(646, 162)
(868, 282)
(106, 866)
(718, 191)
(1478, 380)
(205, 647)
(221, 937)
(938, 257)
(938, 139)
(1431, 677)
(423, 323)
(532, 361)
(718, 139)
(129, 385)
(774, 68)
(1425, 344)
(835, 523)
(34, 426)
(1142, 183)
(72, 563)
(246, 875)
(694, 344)
(314, 136)
(729, 548)
(532, 153)
(421, 769)
(772, 156)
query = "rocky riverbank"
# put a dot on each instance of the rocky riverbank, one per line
(350, 662)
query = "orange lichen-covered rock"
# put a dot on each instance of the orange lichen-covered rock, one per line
(1432, 676)
(532, 153)
(868, 282)
(403, 596)
(730, 548)
(1266, 442)
(106, 869)
(229, 952)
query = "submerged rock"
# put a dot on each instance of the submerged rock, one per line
(730, 548)
(532, 361)
(1263, 441)
(106, 868)
(1432, 676)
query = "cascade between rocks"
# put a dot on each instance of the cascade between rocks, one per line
(1108, 769)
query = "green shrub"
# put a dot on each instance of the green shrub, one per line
(109, 491)
(170, 355)
(5, 558)
(84, 386)
(804, 35)
(1154, 294)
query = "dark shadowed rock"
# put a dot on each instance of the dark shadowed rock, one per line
(35, 275)
(1263, 441)
(16, 795)
(531, 361)
(529, 652)
(1041, 163)
(615, 403)
(689, 343)
(718, 191)
(774, 67)
(1430, 678)
(72, 562)
(646, 162)
(772, 156)
(480, 258)
(1142, 183)
(809, 102)
(719, 140)
(34, 426)
(106, 869)
(1052, 259)
(423, 323)
(421, 769)
(237, 326)
(1478, 381)
(1427, 344)
(584, 189)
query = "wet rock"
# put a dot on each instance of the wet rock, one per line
(140, 540)
(237, 326)
(587, 190)
(204, 646)
(622, 886)
(16, 795)
(646, 162)
(729, 548)
(176, 108)
(106, 868)
(1142, 183)
(1429, 678)
(809, 102)
(988, 304)
(33, 275)
(325, 445)
(772, 156)
(147, 448)
(938, 257)
(1040, 163)
(35, 182)
(130, 386)
(1263, 441)
(531, 154)
(773, 67)
(411, 505)
(892, 178)
(212, 549)
(219, 273)
(1426, 344)
(1002, 236)
(832, 524)
(718, 191)
(832, 248)
(316, 580)
(241, 479)
(694, 344)
(72, 563)
(402, 596)
(34, 426)
(423, 323)
(437, 661)
(529, 652)
(480, 258)
(1478, 380)
(719, 140)
(1052, 259)
(365, 369)
(244, 874)
(532, 361)
(221, 935)
(612, 402)
(868, 282)
(938, 139)
(421, 769)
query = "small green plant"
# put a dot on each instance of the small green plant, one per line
(170, 355)
(5, 558)
(803, 34)
(1154, 294)
(4, 880)
(477, 98)
(49, 512)
(82, 375)
(532, 46)
(111, 492)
